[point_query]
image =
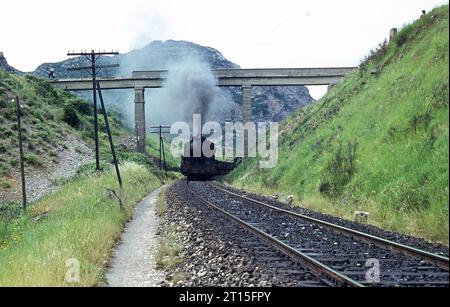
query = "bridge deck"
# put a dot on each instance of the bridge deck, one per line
(225, 77)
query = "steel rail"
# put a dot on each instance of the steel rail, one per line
(438, 260)
(324, 272)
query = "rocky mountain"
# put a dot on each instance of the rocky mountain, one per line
(270, 103)
(4, 65)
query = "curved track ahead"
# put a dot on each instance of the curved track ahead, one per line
(342, 256)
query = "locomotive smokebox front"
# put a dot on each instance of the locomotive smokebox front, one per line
(199, 147)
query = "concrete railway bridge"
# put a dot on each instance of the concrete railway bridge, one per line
(244, 78)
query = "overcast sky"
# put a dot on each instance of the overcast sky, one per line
(251, 33)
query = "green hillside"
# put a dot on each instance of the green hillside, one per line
(35, 245)
(50, 119)
(377, 142)
(47, 116)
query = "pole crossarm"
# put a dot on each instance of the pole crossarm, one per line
(75, 68)
(158, 127)
(88, 53)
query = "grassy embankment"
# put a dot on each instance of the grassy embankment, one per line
(378, 142)
(83, 223)
(48, 116)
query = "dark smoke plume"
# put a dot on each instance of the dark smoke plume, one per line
(191, 88)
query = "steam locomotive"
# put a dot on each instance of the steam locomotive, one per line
(202, 167)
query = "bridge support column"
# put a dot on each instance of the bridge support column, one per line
(246, 113)
(139, 118)
(330, 87)
(246, 103)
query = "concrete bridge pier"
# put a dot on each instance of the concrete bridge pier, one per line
(246, 103)
(246, 113)
(330, 87)
(139, 118)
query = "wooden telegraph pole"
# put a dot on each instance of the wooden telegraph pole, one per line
(161, 130)
(110, 139)
(94, 69)
(22, 166)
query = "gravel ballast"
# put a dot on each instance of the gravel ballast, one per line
(216, 252)
(370, 229)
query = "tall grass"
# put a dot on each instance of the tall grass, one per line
(83, 223)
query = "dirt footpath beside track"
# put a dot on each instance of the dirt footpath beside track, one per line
(133, 263)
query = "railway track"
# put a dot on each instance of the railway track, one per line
(225, 255)
(337, 255)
